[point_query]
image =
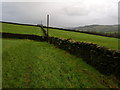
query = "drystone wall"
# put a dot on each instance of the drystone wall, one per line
(103, 59)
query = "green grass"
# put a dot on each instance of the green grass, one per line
(108, 42)
(30, 64)
(20, 29)
(112, 32)
(0, 63)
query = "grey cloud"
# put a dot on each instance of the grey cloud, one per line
(77, 9)
(64, 14)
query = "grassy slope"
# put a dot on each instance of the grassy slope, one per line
(20, 29)
(100, 40)
(38, 64)
(99, 28)
(0, 64)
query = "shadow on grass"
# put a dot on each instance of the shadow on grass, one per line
(22, 36)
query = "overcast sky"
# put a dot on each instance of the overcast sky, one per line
(64, 13)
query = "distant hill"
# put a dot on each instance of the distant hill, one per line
(99, 28)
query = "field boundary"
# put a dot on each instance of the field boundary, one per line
(105, 60)
(22, 36)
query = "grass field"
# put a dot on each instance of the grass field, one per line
(30, 64)
(20, 29)
(108, 42)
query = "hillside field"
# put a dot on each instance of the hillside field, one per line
(99, 28)
(30, 64)
(20, 29)
(108, 42)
